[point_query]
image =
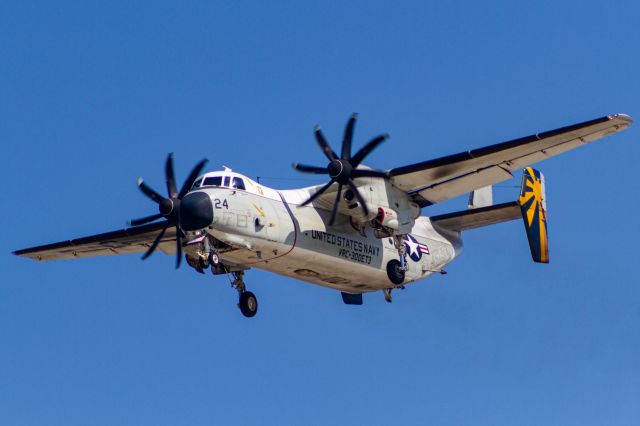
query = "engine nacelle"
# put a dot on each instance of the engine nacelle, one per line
(388, 218)
(390, 222)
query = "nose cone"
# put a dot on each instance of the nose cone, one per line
(196, 211)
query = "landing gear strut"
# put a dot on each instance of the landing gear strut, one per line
(387, 295)
(396, 268)
(248, 303)
(398, 241)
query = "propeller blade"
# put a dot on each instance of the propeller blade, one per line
(348, 137)
(155, 243)
(310, 169)
(146, 190)
(335, 205)
(146, 219)
(195, 172)
(366, 150)
(318, 193)
(170, 176)
(324, 145)
(363, 204)
(178, 246)
(368, 173)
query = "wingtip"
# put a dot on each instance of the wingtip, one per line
(622, 117)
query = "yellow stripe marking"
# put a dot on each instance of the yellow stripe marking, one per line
(259, 210)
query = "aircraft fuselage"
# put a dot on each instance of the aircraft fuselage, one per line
(273, 232)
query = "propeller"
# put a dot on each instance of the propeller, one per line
(169, 207)
(343, 169)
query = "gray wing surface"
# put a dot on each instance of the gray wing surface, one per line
(437, 180)
(129, 240)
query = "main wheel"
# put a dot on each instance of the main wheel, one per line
(214, 258)
(395, 272)
(248, 304)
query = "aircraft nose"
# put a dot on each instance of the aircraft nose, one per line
(196, 211)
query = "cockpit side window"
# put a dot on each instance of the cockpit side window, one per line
(212, 181)
(197, 183)
(238, 183)
(226, 181)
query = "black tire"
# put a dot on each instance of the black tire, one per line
(248, 304)
(395, 272)
(214, 258)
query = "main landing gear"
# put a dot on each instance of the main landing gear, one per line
(248, 303)
(396, 268)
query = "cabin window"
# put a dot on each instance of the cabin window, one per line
(212, 181)
(238, 183)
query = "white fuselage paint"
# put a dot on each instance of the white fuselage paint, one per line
(270, 230)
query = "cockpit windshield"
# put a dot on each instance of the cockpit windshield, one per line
(220, 180)
(212, 181)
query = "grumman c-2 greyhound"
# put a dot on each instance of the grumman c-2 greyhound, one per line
(360, 232)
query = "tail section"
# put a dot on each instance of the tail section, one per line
(533, 206)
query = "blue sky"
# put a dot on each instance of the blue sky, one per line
(93, 95)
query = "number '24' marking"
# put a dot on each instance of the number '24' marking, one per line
(218, 204)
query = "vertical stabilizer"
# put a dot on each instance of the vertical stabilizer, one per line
(533, 206)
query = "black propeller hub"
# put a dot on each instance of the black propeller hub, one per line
(340, 170)
(167, 206)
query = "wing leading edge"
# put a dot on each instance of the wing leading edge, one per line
(129, 240)
(433, 181)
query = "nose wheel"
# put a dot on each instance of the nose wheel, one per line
(248, 302)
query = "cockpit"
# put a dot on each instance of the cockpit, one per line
(221, 179)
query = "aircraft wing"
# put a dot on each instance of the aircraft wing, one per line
(130, 240)
(437, 180)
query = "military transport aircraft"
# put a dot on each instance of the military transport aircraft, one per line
(360, 232)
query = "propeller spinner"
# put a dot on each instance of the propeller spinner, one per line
(342, 170)
(169, 207)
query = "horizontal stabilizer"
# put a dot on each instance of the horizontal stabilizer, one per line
(476, 218)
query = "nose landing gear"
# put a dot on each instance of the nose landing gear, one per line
(248, 302)
(204, 252)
